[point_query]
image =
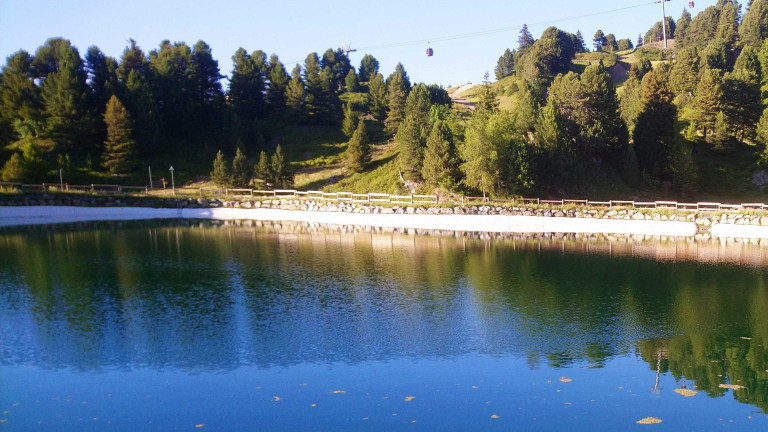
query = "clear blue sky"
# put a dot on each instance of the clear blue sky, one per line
(294, 28)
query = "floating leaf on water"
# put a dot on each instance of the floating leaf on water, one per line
(474, 387)
(275, 399)
(200, 425)
(746, 338)
(621, 388)
(303, 384)
(17, 404)
(494, 416)
(409, 398)
(365, 418)
(413, 421)
(2, 421)
(686, 392)
(565, 380)
(314, 405)
(6, 412)
(338, 391)
(732, 386)
(568, 403)
(649, 421)
(548, 382)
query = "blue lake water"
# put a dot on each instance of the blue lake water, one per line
(158, 327)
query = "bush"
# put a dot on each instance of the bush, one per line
(650, 53)
(13, 169)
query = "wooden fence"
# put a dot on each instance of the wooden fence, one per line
(371, 197)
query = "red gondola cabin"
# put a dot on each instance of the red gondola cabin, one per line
(691, 5)
(430, 53)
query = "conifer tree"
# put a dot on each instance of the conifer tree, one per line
(728, 25)
(685, 172)
(263, 170)
(222, 173)
(351, 120)
(140, 100)
(328, 102)
(314, 88)
(655, 133)
(487, 102)
(639, 41)
(610, 42)
(525, 41)
(605, 130)
(133, 59)
(417, 106)
(378, 103)
(281, 169)
(681, 29)
(65, 95)
(206, 77)
(296, 94)
(397, 94)
(708, 100)
(631, 173)
(630, 102)
(20, 99)
(437, 167)
(14, 170)
(408, 144)
(399, 69)
(550, 128)
(742, 96)
(119, 148)
(278, 84)
(241, 171)
(506, 65)
(352, 83)
(103, 83)
(715, 56)
(358, 149)
(599, 40)
(368, 69)
(753, 29)
(684, 73)
(721, 131)
(581, 45)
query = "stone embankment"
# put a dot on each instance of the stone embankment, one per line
(704, 220)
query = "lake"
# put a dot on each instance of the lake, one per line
(158, 326)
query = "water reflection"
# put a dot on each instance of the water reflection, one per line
(208, 297)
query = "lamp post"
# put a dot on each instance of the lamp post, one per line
(173, 183)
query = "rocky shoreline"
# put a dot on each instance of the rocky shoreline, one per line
(704, 219)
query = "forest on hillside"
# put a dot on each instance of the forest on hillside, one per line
(560, 119)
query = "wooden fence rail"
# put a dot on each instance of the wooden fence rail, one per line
(373, 197)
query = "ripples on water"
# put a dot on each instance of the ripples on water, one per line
(154, 326)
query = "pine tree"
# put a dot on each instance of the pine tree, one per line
(715, 56)
(358, 149)
(65, 95)
(487, 103)
(681, 30)
(742, 96)
(296, 94)
(378, 103)
(654, 133)
(14, 170)
(119, 148)
(206, 77)
(263, 170)
(20, 99)
(639, 41)
(610, 42)
(753, 29)
(314, 88)
(133, 59)
(525, 40)
(399, 69)
(408, 144)
(599, 40)
(103, 83)
(278, 84)
(685, 172)
(630, 102)
(397, 94)
(605, 130)
(368, 69)
(631, 172)
(550, 128)
(418, 105)
(281, 169)
(351, 120)
(241, 171)
(505, 66)
(582, 46)
(708, 100)
(684, 73)
(221, 174)
(721, 131)
(728, 25)
(328, 103)
(437, 167)
(140, 100)
(351, 82)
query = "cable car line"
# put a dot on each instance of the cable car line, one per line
(488, 32)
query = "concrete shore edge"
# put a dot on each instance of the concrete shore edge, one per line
(36, 215)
